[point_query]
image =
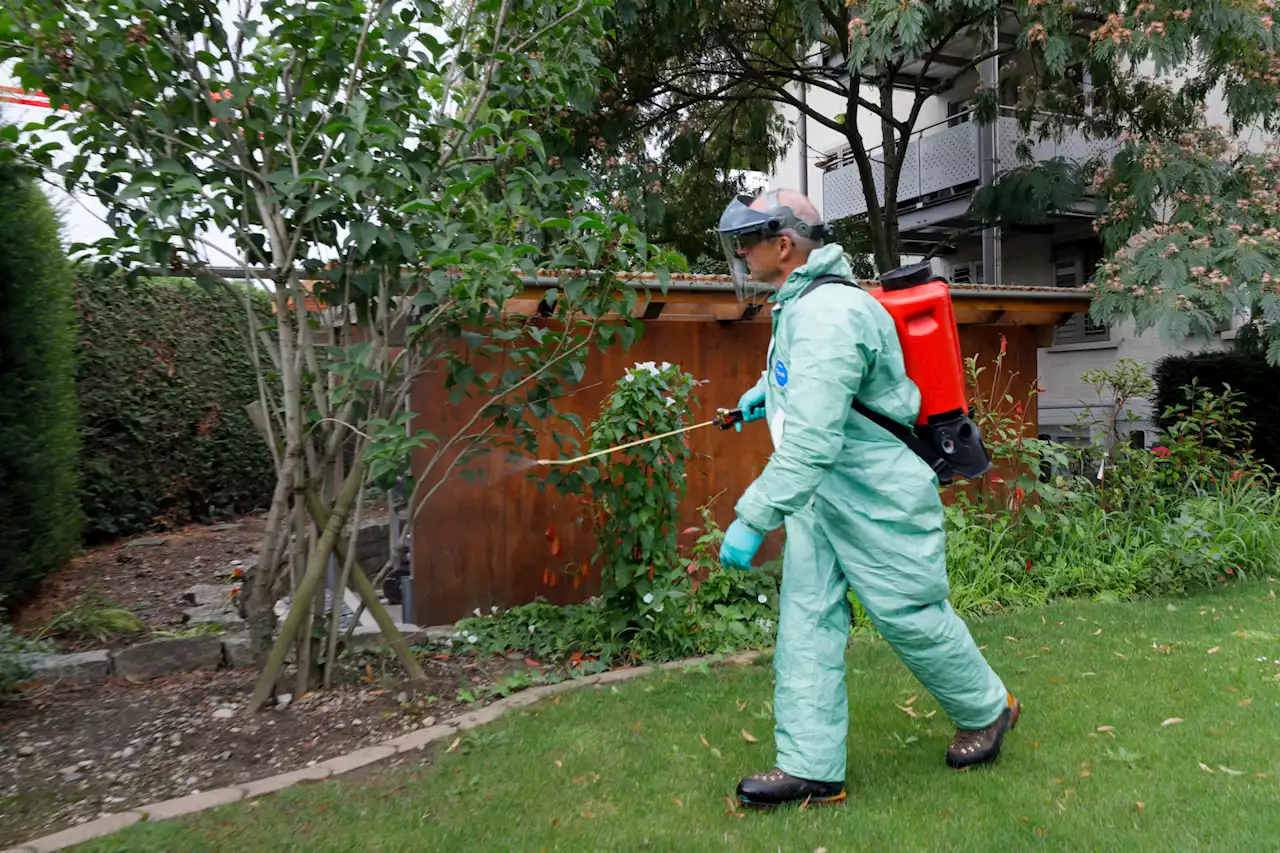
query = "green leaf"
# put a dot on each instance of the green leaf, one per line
(534, 141)
(320, 206)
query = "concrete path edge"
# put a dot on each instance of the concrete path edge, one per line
(363, 757)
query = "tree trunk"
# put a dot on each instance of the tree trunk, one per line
(875, 222)
(894, 153)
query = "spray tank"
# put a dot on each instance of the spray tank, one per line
(944, 433)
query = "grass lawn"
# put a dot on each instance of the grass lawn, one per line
(1144, 728)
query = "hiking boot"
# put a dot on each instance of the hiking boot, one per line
(775, 788)
(971, 747)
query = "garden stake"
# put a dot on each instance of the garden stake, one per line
(724, 419)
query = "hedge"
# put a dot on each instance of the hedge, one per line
(164, 377)
(1246, 372)
(39, 520)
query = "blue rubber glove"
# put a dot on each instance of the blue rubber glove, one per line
(739, 546)
(752, 406)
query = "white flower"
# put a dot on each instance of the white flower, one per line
(449, 643)
(648, 598)
(671, 401)
(493, 609)
(473, 639)
(658, 609)
(630, 377)
(531, 627)
(666, 365)
(476, 612)
(762, 598)
(766, 625)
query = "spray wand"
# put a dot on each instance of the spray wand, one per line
(724, 419)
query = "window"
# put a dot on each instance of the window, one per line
(1073, 266)
(967, 273)
(959, 112)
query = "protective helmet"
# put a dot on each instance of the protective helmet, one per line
(741, 228)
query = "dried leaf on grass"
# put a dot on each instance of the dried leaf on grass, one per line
(676, 800)
(1097, 632)
(1215, 650)
(1108, 729)
(1245, 702)
(749, 737)
(1230, 772)
(1206, 768)
(454, 745)
(1172, 721)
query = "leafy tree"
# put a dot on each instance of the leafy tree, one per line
(384, 161)
(693, 73)
(1194, 225)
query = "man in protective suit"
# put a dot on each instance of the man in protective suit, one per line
(861, 510)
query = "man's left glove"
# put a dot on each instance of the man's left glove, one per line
(739, 546)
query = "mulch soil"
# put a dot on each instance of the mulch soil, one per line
(71, 753)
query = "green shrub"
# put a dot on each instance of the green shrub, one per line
(165, 375)
(92, 618)
(1197, 510)
(1248, 375)
(39, 520)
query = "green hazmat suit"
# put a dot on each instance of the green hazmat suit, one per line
(862, 511)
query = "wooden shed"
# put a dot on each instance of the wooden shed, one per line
(481, 544)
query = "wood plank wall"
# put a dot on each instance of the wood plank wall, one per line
(482, 544)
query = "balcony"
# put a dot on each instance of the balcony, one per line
(942, 164)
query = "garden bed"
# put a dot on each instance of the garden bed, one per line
(76, 752)
(70, 751)
(147, 575)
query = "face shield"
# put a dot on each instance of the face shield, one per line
(741, 228)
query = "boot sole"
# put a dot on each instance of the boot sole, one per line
(1016, 711)
(810, 801)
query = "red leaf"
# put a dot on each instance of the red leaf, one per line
(532, 662)
(551, 532)
(555, 546)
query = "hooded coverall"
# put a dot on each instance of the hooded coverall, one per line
(862, 511)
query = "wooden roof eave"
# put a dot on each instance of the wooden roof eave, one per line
(1043, 308)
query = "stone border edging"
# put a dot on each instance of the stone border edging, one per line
(412, 742)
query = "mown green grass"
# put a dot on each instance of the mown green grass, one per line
(625, 767)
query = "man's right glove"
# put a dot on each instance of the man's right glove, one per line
(752, 406)
(739, 546)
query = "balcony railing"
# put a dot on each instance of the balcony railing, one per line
(942, 159)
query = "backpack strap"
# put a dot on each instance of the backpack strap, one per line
(905, 434)
(825, 279)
